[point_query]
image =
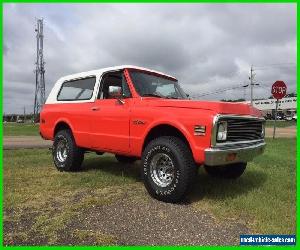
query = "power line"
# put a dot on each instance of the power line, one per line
(253, 82)
(218, 91)
(274, 67)
(274, 64)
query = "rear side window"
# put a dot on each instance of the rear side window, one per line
(79, 89)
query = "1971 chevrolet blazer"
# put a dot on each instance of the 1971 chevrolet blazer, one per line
(137, 113)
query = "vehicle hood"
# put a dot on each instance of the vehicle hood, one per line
(216, 107)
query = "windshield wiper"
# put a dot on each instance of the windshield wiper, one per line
(172, 97)
(152, 95)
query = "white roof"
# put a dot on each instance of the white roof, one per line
(103, 70)
(56, 88)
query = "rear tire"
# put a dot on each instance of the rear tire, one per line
(125, 159)
(66, 155)
(231, 171)
(168, 169)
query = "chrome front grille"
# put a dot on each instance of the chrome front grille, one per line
(243, 129)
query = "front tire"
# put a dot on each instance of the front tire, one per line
(168, 169)
(231, 171)
(66, 155)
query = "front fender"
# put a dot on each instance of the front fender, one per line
(196, 144)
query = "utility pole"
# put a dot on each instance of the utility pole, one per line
(39, 98)
(252, 83)
(24, 114)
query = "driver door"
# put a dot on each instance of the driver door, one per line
(110, 115)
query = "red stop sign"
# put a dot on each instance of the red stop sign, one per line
(278, 90)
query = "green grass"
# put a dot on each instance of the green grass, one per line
(20, 129)
(280, 124)
(263, 198)
(34, 188)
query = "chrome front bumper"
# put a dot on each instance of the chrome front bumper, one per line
(222, 156)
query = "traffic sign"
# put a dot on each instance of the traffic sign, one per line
(278, 90)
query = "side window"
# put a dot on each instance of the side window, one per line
(79, 89)
(113, 86)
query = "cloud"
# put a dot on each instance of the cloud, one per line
(208, 47)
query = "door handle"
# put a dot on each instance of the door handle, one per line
(95, 108)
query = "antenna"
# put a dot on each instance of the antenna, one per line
(39, 98)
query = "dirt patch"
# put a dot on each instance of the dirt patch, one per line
(131, 221)
(157, 223)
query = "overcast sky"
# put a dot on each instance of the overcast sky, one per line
(208, 47)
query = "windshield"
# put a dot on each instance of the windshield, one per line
(156, 86)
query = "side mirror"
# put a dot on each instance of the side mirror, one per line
(115, 92)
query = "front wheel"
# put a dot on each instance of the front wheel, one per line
(231, 171)
(66, 155)
(168, 169)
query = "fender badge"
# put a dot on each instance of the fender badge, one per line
(138, 122)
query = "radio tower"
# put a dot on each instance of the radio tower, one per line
(39, 98)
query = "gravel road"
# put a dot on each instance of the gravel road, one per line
(129, 221)
(156, 223)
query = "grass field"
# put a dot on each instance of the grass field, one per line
(280, 123)
(265, 196)
(20, 129)
(40, 202)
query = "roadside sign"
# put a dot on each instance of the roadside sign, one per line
(278, 91)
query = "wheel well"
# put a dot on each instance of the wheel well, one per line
(60, 126)
(164, 130)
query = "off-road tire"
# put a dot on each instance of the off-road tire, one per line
(74, 155)
(125, 159)
(231, 171)
(174, 149)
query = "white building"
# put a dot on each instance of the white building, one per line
(286, 105)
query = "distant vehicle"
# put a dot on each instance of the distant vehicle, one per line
(20, 121)
(280, 116)
(288, 118)
(268, 117)
(295, 117)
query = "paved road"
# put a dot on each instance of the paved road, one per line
(288, 132)
(17, 142)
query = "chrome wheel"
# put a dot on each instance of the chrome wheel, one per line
(61, 151)
(162, 169)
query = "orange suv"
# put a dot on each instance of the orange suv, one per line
(137, 113)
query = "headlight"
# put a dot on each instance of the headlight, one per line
(222, 131)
